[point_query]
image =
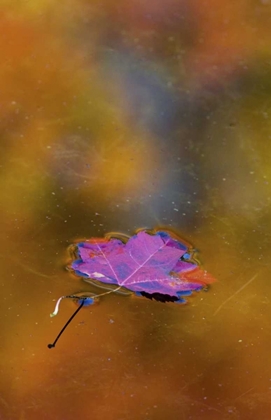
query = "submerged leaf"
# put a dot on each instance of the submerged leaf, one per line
(157, 266)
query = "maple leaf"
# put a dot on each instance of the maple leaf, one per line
(156, 266)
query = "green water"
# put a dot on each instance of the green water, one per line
(115, 117)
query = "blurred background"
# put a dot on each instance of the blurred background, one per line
(116, 116)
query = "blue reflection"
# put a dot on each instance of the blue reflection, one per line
(87, 301)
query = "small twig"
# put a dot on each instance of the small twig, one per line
(235, 293)
(244, 393)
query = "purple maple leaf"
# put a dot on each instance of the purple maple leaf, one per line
(155, 265)
(151, 264)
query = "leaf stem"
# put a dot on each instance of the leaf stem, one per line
(57, 306)
(79, 297)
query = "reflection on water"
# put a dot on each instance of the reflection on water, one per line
(120, 115)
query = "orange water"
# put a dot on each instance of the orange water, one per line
(117, 116)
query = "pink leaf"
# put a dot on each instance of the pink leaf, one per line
(151, 264)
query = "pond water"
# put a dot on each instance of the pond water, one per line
(117, 116)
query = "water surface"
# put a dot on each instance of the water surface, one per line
(119, 116)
